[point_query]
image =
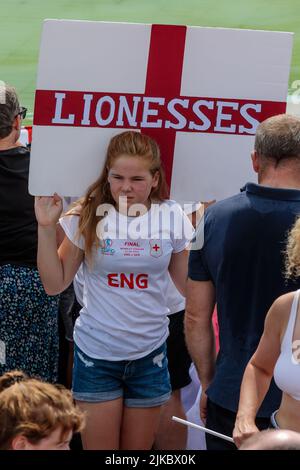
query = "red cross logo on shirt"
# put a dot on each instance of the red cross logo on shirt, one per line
(155, 248)
(161, 111)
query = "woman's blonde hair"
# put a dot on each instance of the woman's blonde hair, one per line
(129, 143)
(34, 409)
(292, 252)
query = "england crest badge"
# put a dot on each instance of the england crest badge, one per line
(155, 248)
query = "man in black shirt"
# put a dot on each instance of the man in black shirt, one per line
(240, 267)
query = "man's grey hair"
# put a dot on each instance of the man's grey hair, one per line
(278, 138)
(9, 108)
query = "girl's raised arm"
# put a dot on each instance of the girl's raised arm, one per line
(57, 268)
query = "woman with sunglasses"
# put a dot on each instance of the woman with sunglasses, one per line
(28, 316)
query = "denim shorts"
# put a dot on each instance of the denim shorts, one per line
(143, 383)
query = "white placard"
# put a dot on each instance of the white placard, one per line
(200, 92)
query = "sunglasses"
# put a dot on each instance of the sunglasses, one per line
(22, 112)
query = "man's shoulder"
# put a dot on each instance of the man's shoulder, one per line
(232, 203)
(255, 197)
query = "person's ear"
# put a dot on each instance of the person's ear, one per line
(17, 123)
(255, 161)
(20, 442)
(155, 180)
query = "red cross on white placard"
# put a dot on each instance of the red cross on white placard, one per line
(161, 111)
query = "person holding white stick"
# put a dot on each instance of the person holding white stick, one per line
(278, 355)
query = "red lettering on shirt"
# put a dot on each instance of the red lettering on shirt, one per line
(130, 280)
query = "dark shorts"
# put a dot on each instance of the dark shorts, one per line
(179, 360)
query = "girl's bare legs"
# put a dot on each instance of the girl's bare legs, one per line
(139, 426)
(103, 424)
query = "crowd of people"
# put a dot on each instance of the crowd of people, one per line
(120, 273)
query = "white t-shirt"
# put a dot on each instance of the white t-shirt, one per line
(124, 316)
(78, 284)
(174, 300)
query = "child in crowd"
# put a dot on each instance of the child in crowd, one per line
(128, 237)
(35, 415)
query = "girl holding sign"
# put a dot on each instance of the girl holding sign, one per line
(128, 236)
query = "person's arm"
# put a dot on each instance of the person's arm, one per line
(178, 266)
(259, 371)
(178, 270)
(60, 235)
(57, 268)
(199, 332)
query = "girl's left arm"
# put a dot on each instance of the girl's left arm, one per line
(178, 268)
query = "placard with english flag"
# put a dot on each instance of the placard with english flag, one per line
(200, 92)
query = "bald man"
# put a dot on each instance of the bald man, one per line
(273, 439)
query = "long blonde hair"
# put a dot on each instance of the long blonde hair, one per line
(129, 143)
(292, 252)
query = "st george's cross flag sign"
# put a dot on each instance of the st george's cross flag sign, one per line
(200, 92)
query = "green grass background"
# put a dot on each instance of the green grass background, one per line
(21, 23)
